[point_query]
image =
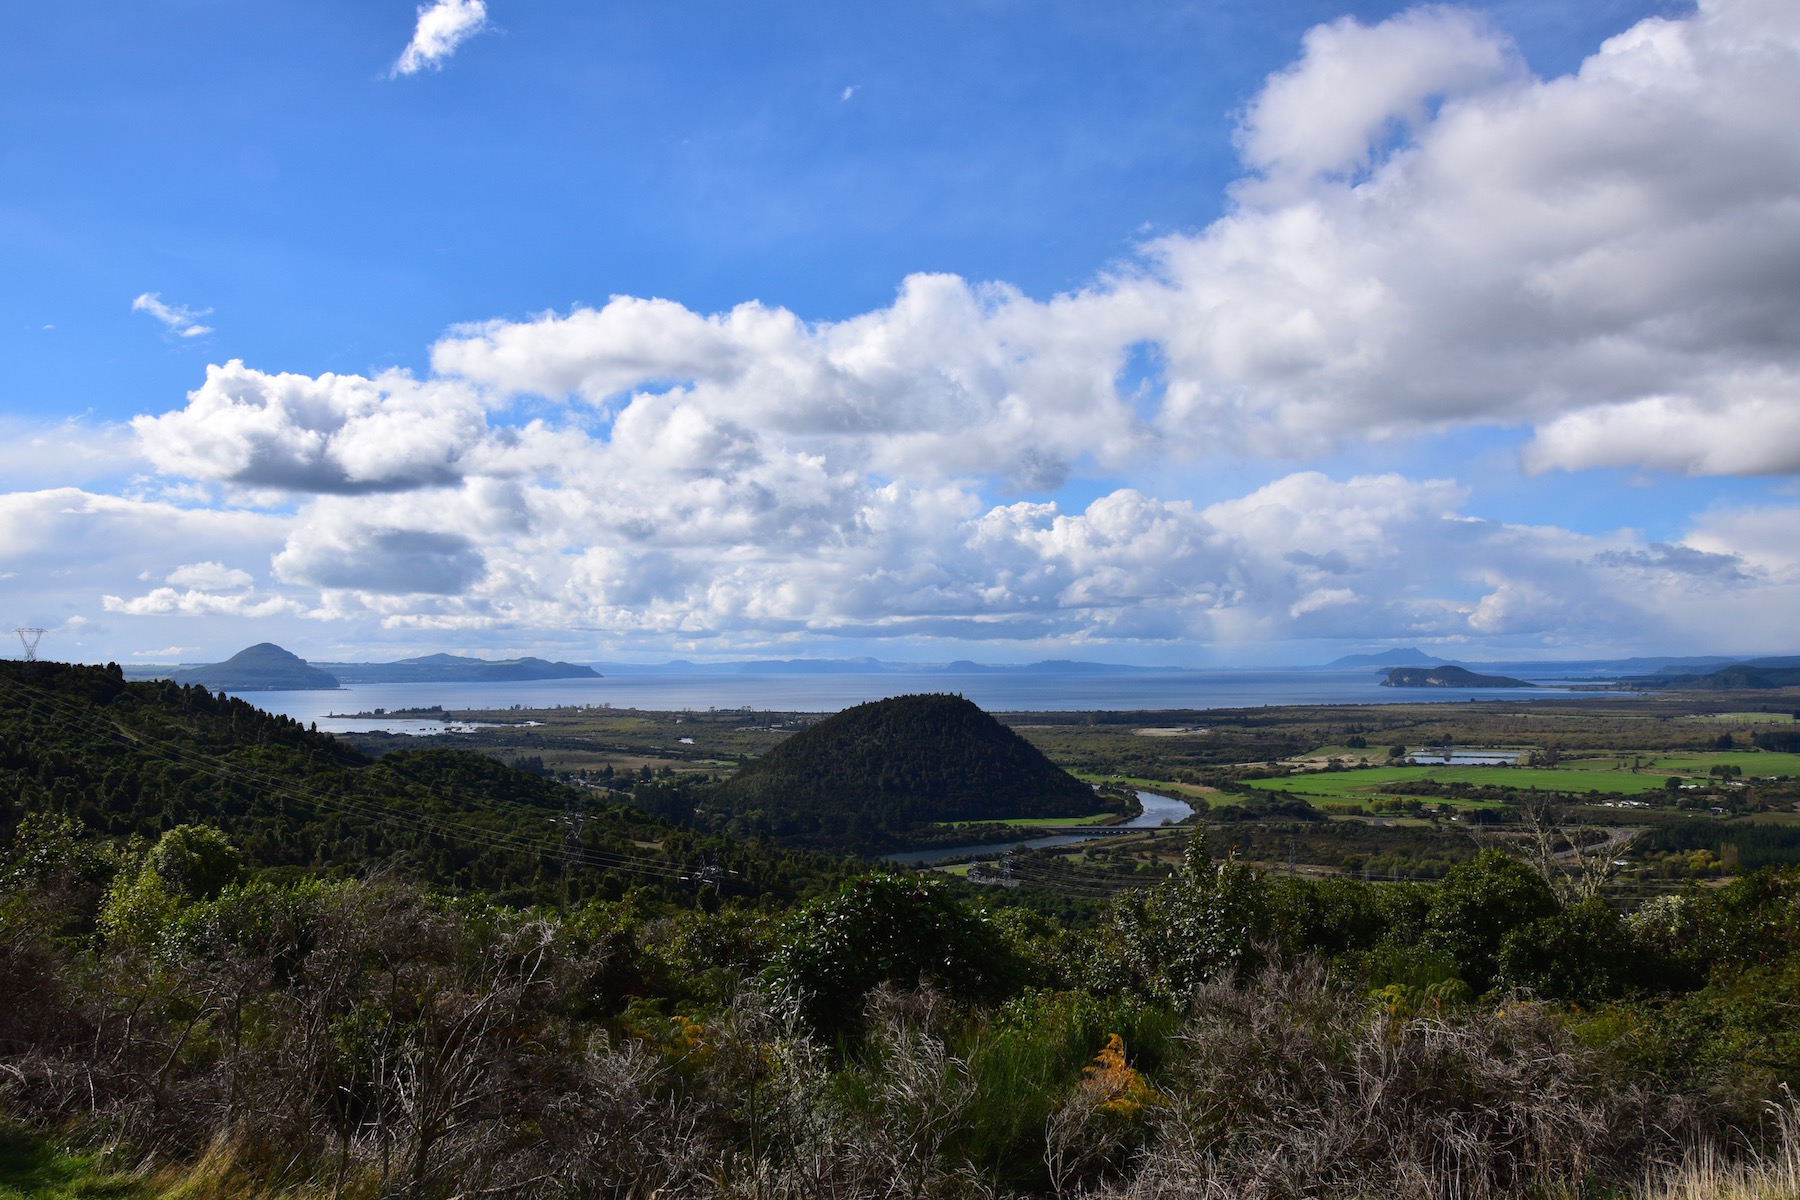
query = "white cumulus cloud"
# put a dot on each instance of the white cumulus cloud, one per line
(1425, 237)
(335, 433)
(442, 27)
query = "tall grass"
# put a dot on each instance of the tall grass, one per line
(1709, 1173)
(1029, 1057)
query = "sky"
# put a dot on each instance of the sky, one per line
(1174, 333)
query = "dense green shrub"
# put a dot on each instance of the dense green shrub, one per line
(1477, 905)
(878, 929)
(1584, 953)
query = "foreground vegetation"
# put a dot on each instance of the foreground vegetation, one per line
(1224, 1033)
(349, 976)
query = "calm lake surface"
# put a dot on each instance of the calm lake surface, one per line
(1158, 811)
(1035, 690)
(1458, 758)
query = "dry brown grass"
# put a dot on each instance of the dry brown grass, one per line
(1295, 1088)
(1707, 1173)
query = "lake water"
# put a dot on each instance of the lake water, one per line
(1158, 811)
(1460, 758)
(1034, 690)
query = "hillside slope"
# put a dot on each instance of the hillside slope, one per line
(865, 777)
(1739, 677)
(135, 759)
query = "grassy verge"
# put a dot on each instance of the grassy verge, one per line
(37, 1168)
(1357, 784)
(1161, 787)
(1751, 762)
(1057, 822)
(34, 1169)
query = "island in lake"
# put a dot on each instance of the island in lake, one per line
(1448, 677)
(266, 667)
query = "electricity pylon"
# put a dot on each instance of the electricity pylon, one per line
(28, 637)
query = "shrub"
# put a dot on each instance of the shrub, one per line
(196, 861)
(1477, 904)
(1582, 953)
(885, 929)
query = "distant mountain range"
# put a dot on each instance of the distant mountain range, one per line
(1755, 675)
(450, 668)
(1620, 668)
(266, 667)
(875, 666)
(1386, 658)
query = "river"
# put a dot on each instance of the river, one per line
(1158, 811)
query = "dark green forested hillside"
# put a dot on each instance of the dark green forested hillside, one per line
(136, 759)
(865, 777)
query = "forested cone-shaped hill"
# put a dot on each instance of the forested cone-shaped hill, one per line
(136, 759)
(264, 667)
(863, 778)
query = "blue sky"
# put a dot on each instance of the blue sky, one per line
(1321, 326)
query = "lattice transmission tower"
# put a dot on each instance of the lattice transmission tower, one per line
(28, 637)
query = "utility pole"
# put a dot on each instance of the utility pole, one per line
(574, 814)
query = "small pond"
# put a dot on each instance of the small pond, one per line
(1466, 758)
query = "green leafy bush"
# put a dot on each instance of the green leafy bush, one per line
(885, 929)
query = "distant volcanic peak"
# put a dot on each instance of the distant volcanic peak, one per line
(1410, 656)
(264, 667)
(1448, 677)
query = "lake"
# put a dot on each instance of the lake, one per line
(1024, 690)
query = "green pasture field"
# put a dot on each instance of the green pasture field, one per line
(1162, 787)
(1360, 784)
(1053, 822)
(1605, 762)
(1751, 762)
